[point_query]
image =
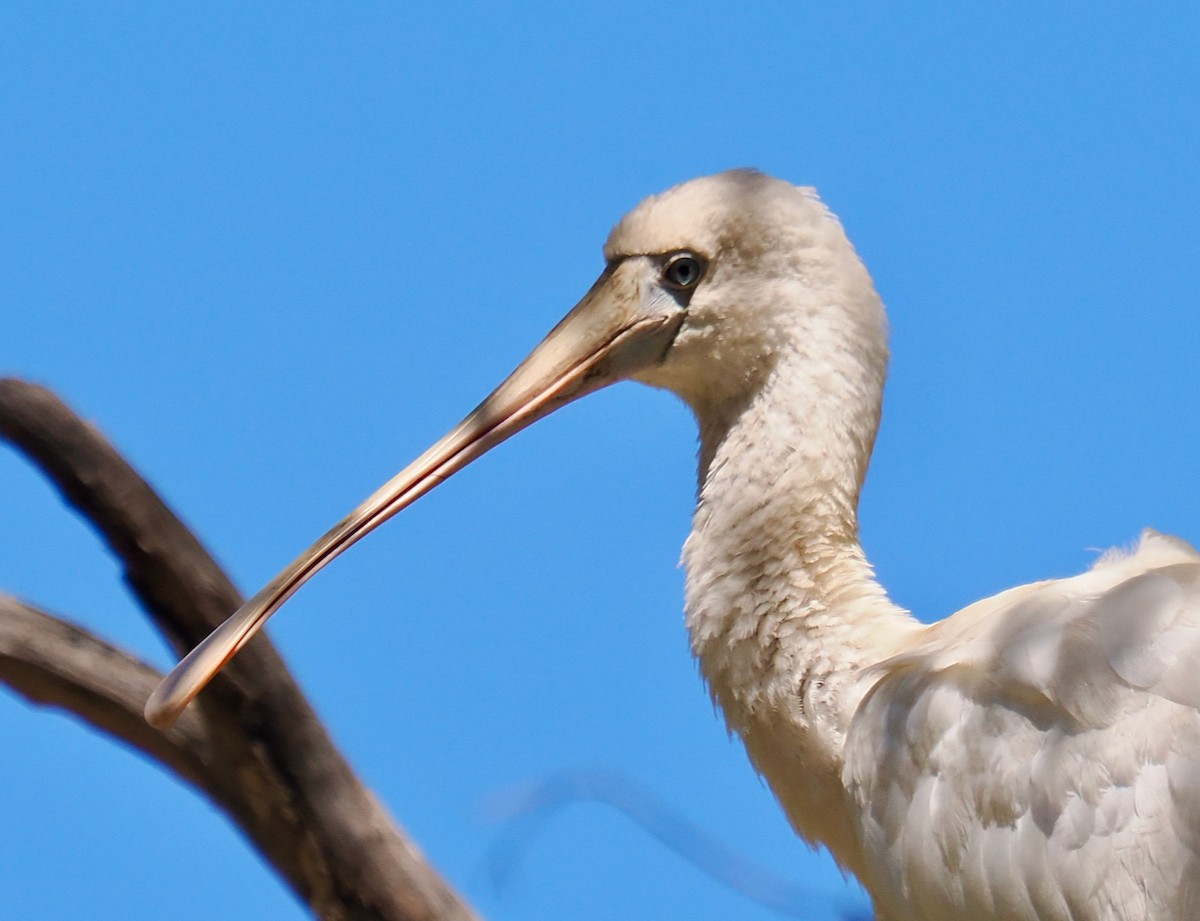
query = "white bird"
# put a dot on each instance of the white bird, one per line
(1034, 756)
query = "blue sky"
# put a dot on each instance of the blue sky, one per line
(275, 252)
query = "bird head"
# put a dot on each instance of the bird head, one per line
(761, 270)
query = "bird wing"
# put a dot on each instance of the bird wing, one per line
(1043, 746)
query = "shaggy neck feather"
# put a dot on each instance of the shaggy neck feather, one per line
(783, 610)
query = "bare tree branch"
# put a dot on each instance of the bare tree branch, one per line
(50, 662)
(269, 762)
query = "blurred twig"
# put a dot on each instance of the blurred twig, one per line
(525, 810)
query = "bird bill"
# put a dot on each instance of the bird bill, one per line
(612, 333)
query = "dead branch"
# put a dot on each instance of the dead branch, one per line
(252, 743)
(53, 663)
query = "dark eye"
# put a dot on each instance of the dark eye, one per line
(682, 271)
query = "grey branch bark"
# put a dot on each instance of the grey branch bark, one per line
(53, 663)
(252, 742)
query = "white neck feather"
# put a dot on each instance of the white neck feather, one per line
(782, 607)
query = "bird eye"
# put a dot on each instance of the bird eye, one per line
(682, 271)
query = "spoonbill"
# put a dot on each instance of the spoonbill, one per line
(1033, 756)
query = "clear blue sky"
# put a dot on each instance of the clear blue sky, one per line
(274, 253)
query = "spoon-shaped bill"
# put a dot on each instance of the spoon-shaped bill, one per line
(609, 335)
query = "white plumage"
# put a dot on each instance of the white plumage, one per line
(1034, 756)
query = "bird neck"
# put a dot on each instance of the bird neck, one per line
(779, 592)
(783, 610)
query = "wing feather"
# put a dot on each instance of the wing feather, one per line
(1043, 745)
